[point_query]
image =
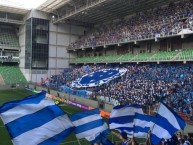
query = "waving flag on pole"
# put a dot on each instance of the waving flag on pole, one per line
(142, 125)
(167, 123)
(122, 118)
(35, 117)
(90, 125)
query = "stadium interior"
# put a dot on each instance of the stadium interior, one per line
(113, 52)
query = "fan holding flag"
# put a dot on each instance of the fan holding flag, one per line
(155, 128)
(132, 120)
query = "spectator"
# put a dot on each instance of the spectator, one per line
(186, 141)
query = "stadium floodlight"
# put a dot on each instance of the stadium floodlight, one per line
(53, 17)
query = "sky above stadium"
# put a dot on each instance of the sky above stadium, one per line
(26, 4)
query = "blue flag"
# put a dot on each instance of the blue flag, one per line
(122, 118)
(90, 125)
(35, 117)
(167, 123)
(143, 124)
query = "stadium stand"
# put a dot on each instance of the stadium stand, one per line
(186, 54)
(144, 54)
(12, 75)
(146, 82)
(159, 22)
(9, 44)
(8, 37)
(164, 56)
(126, 57)
(143, 84)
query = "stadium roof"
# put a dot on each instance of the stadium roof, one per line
(51, 5)
(14, 10)
(97, 11)
(19, 6)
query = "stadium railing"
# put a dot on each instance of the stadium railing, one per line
(183, 55)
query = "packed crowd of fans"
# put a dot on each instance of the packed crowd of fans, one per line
(176, 139)
(144, 84)
(158, 22)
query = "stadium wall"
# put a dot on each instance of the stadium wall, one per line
(107, 107)
(61, 36)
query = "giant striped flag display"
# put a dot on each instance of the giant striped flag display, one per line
(167, 123)
(35, 120)
(90, 125)
(122, 118)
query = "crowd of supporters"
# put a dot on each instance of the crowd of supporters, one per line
(155, 22)
(143, 84)
(177, 139)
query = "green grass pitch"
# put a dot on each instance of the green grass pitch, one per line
(14, 94)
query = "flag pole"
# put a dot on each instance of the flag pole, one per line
(133, 130)
(148, 141)
(78, 141)
(151, 129)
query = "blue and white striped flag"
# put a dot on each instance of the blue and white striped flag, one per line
(35, 117)
(142, 125)
(90, 125)
(167, 123)
(122, 118)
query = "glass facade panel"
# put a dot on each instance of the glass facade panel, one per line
(39, 43)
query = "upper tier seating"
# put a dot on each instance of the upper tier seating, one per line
(158, 22)
(8, 37)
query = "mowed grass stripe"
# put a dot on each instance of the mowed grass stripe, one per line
(13, 94)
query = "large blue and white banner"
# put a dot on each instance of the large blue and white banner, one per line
(35, 120)
(122, 118)
(167, 123)
(142, 125)
(98, 78)
(90, 125)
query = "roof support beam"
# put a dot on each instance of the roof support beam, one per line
(78, 11)
(11, 21)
